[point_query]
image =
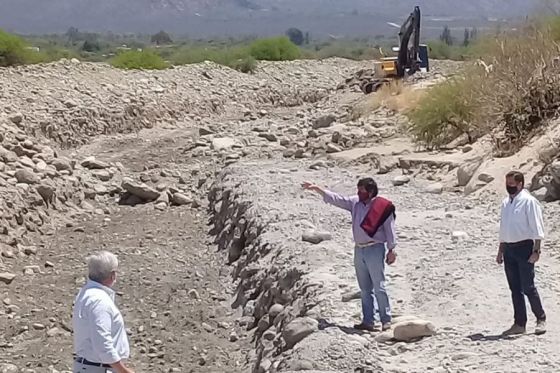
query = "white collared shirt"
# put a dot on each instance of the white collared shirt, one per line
(521, 219)
(99, 333)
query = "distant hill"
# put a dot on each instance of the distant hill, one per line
(205, 18)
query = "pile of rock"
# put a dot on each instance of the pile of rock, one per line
(69, 101)
(162, 196)
(37, 184)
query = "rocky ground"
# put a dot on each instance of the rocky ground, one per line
(192, 175)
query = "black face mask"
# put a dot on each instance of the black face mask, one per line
(511, 190)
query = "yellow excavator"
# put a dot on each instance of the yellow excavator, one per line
(408, 61)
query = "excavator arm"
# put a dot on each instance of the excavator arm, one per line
(408, 58)
(407, 61)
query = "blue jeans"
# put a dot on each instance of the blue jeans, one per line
(369, 263)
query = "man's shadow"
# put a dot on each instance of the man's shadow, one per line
(480, 337)
(324, 324)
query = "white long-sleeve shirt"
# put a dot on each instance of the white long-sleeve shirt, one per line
(521, 219)
(99, 332)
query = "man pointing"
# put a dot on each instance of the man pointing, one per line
(373, 228)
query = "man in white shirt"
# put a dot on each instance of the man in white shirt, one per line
(100, 340)
(521, 233)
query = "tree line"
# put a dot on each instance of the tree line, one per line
(469, 36)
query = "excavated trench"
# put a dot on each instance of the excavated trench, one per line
(270, 291)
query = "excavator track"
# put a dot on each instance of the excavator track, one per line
(372, 85)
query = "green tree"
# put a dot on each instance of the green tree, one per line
(474, 33)
(161, 38)
(296, 36)
(466, 39)
(73, 34)
(91, 46)
(446, 36)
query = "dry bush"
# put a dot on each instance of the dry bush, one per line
(521, 91)
(443, 113)
(510, 92)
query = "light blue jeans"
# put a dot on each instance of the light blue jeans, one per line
(369, 263)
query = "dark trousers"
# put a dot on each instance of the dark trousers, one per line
(520, 276)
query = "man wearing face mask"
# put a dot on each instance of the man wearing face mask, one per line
(373, 228)
(521, 233)
(100, 339)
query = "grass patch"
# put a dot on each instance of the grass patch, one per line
(139, 60)
(247, 64)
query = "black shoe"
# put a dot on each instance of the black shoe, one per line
(366, 327)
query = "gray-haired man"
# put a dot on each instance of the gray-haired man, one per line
(100, 340)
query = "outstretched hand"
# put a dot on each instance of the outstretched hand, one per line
(308, 186)
(313, 187)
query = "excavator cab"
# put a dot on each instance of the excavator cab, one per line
(408, 61)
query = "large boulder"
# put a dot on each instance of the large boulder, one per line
(298, 329)
(466, 171)
(315, 237)
(324, 121)
(26, 177)
(94, 164)
(407, 331)
(8, 368)
(140, 190)
(62, 164)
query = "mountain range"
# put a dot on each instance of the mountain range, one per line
(217, 18)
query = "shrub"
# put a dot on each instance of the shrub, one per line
(439, 50)
(247, 64)
(275, 49)
(145, 59)
(444, 113)
(91, 46)
(12, 50)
